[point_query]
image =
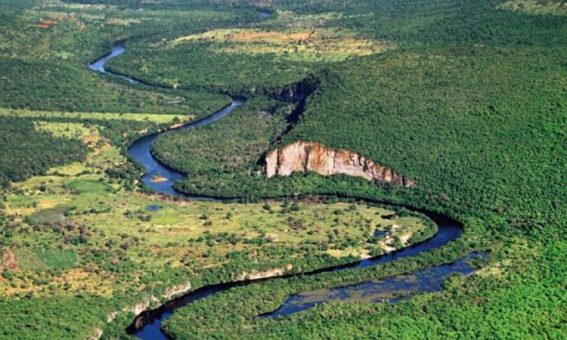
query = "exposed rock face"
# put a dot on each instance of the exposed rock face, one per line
(265, 274)
(296, 92)
(97, 334)
(308, 156)
(140, 307)
(177, 291)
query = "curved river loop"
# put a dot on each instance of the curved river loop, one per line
(147, 325)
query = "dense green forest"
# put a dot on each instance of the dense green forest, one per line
(43, 58)
(231, 145)
(26, 152)
(465, 97)
(476, 113)
(482, 131)
(406, 23)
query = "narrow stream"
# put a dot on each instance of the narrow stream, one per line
(147, 324)
(99, 64)
(140, 150)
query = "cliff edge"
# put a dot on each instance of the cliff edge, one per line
(309, 156)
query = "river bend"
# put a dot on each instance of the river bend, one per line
(147, 324)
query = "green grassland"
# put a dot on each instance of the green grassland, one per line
(35, 141)
(76, 237)
(258, 55)
(477, 116)
(78, 116)
(252, 59)
(465, 97)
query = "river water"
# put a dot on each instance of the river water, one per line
(393, 289)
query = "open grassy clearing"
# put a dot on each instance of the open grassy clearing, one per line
(187, 235)
(76, 232)
(140, 117)
(553, 7)
(314, 45)
(290, 19)
(250, 56)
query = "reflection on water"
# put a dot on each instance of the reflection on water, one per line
(389, 289)
(392, 289)
(99, 64)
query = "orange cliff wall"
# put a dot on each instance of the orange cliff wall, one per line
(308, 156)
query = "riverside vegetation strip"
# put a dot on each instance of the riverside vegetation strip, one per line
(148, 324)
(69, 237)
(139, 151)
(433, 112)
(471, 105)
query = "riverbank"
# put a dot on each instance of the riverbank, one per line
(141, 152)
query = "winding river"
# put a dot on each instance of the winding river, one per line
(147, 324)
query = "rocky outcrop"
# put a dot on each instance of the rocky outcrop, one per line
(97, 334)
(308, 156)
(255, 275)
(176, 291)
(169, 294)
(295, 92)
(143, 306)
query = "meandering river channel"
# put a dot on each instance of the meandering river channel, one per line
(147, 324)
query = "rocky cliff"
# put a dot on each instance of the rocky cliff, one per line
(295, 92)
(255, 275)
(308, 156)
